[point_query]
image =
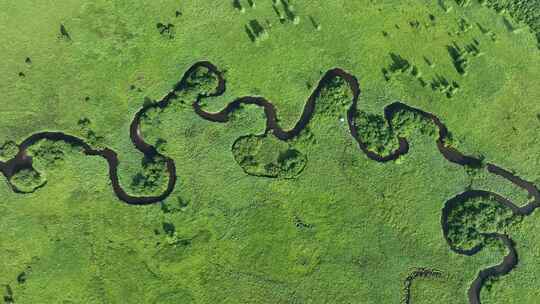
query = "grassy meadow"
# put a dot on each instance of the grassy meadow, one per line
(253, 219)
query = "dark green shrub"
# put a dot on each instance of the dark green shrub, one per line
(64, 35)
(256, 31)
(8, 295)
(237, 5)
(169, 229)
(166, 30)
(399, 64)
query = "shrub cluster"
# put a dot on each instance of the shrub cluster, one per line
(90, 135)
(201, 81)
(408, 123)
(267, 156)
(376, 133)
(152, 178)
(335, 98)
(460, 56)
(468, 221)
(401, 66)
(382, 138)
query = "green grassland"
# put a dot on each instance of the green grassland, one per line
(253, 219)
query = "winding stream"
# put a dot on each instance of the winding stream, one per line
(23, 161)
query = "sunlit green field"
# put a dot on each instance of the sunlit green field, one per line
(332, 227)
